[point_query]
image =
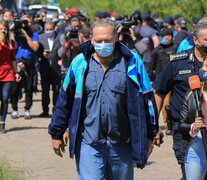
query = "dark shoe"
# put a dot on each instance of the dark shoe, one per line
(44, 114)
(168, 132)
(2, 128)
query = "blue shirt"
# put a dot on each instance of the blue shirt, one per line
(23, 50)
(104, 110)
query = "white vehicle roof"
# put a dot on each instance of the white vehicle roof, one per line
(49, 8)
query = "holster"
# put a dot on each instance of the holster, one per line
(169, 117)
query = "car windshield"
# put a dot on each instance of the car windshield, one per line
(49, 11)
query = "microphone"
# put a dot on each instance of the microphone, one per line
(195, 85)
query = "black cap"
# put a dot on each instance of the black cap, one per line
(145, 16)
(100, 14)
(118, 18)
(202, 75)
(168, 20)
(155, 15)
(165, 31)
(181, 22)
(176, 16)
(137, 11)
(196, 20)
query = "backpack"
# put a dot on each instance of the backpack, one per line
(142, 44)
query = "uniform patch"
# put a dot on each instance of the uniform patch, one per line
(178, 56)
(185, 71)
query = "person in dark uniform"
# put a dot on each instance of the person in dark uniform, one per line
(174, 78)
(160, 55)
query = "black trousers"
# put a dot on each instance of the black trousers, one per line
(26, 82)
(48, 77)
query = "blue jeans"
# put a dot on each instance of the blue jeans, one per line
(195, 160)
(96, 162)
(4, 95)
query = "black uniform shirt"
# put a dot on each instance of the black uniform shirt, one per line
(174, 78)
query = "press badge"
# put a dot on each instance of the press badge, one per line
(185, 71)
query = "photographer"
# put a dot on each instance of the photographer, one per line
(28, 44)
(69, 48)
(127, 34)
(145, 31)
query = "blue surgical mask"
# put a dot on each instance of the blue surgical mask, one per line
(55, 20)
(104, 49)
(162, 40)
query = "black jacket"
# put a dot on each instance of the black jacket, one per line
(160, 55)
(187, 115)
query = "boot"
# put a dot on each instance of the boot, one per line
(2, 128)
(169, 121)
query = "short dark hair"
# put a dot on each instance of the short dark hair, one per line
(10, 11)
(74, 18)
(85, 30)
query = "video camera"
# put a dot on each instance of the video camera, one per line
(128, 23)
(19, 25)
(73, 35)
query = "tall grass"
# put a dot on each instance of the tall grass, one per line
(9, 173)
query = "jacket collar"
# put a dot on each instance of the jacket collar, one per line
(87, 49)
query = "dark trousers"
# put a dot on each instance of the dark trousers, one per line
(177, 147)
(48, 77)
(26, 82)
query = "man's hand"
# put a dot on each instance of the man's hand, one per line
(65, 137)
(132, 35)
(150, 147)
(58, 146)
(158, 138)
(24, 33)
(46, 54)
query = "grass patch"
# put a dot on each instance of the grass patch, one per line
(9, 173)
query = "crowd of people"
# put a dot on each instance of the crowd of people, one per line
(102, 77)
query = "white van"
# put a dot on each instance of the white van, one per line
(50, 10)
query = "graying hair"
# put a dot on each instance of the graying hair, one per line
(200, 26)
(103, 22)
(27, 16)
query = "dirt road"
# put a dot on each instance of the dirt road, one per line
(27, 145)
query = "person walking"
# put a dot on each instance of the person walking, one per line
(108, 105)
(8, 70)
(190, 124)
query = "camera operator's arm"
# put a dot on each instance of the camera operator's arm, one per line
(156, 41)
(34, 45)
(132, 34)
(119, 33)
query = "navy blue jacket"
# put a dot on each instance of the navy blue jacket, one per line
(141, 106)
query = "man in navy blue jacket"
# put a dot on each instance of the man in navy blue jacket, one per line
(108, 104)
